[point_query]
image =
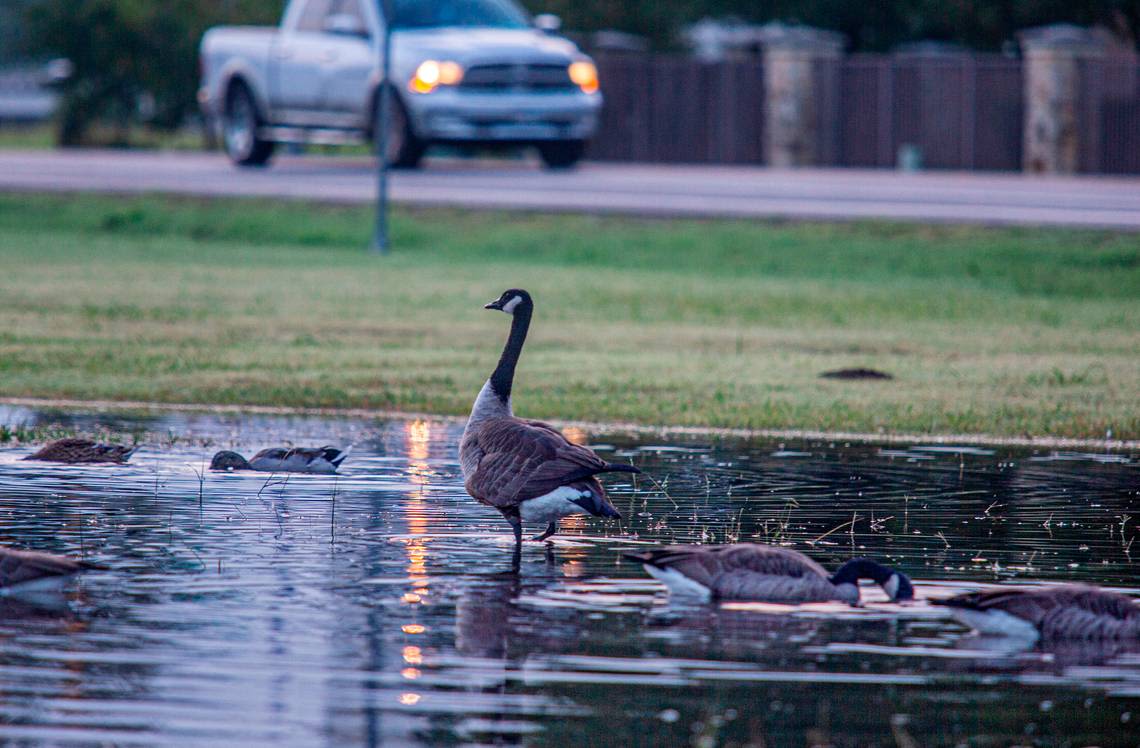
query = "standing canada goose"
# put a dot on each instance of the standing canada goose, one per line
(283, 460)
(764, 573)
(74, 451)
(27, 569)
(527, 469)
(1068, 611)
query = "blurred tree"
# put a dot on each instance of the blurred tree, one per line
(11, 30)
(869, 27)
(134, 60)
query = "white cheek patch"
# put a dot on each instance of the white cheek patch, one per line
(509, 307)
(891, 587)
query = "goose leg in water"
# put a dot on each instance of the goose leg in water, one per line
(516, 525)
(550, 530)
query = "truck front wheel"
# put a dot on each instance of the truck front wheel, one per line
(239, 129)
(404, 149)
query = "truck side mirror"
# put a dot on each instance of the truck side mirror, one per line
(548, 23)
(345, 24)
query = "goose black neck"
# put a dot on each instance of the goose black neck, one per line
(504, 374)
(862, 568)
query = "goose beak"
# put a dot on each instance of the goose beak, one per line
(493, 305)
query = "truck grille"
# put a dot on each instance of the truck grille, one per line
(532, 77)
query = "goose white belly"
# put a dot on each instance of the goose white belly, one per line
(552, 506)
(678, 583)
(997, 623)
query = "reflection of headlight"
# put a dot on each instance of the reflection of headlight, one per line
(584, 75)
(432, 73)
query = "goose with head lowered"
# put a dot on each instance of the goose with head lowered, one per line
(283, 460)
(1064, 612)
(763, 573)
(526, 469)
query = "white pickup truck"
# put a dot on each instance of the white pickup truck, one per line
(464, 72)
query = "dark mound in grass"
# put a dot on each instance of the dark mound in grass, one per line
(857, 373)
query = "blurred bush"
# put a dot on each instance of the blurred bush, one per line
(135, 61)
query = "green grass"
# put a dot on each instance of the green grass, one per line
(42, 136)
(712, 323)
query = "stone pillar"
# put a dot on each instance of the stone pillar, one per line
(1058, 130)
(798, 93)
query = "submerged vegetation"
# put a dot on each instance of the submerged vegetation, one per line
(712, 323)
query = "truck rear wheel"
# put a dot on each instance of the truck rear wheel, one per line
(562, 154)
(240, 121)
(404, 149)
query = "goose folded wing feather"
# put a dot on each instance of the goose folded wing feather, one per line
(522, 461)
(763, 559)
(271, 453)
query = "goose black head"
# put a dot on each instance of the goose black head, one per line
(896, 584)
(510, 301)
(226, 460)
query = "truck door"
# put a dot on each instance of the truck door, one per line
(296, 65)
(351, 58)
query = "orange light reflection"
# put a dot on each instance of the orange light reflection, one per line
(575, 435)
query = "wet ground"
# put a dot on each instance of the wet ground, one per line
(380, 606)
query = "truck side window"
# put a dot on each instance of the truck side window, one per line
(347, 8)
(313, 15)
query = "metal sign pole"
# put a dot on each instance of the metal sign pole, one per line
(380, 240)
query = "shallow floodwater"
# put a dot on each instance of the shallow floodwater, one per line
(381, 606)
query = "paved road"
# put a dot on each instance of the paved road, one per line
(830, 194)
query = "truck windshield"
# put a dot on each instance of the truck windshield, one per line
(426, 14)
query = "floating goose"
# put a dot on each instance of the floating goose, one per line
(31, 569)
(283, 460)
(1069, 611)
(76, 451)
(764, 573)
(527, 469)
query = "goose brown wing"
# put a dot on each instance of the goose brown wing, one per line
(769, 560)
(70, 449)
(707, 564)
(273, 453)
(1036, 605)
(521, 460)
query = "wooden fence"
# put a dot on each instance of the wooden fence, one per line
(665, 108)
(959, 111)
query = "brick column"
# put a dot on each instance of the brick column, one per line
(1058, 131)
(797, 92)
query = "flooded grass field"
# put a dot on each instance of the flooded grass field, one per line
(381, 606)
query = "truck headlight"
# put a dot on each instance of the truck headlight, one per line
(431, 74)
(585, 75)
